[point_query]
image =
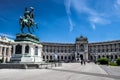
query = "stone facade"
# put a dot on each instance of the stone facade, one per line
(5, 49)
(25, 51)
(81, 49)
(109, 49)
(68, 52)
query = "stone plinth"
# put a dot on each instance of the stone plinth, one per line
(27, 37)
(26, 49)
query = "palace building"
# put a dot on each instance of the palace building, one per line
(5, 49)
(67, 52)
(80, 50)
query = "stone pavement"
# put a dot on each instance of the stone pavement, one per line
(69, 71)
(112, 70)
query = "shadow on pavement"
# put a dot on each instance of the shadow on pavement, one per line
(87, 73)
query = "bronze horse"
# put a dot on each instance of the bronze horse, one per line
(28, 20)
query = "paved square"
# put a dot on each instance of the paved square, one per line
(69, 71)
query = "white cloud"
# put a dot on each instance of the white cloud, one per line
(117, 8)
(81, 7)
(98, 20)
(71, 23)
(7, 35)
(93, 26)
(67, 4)
(118, 2)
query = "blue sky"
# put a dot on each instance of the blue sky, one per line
(64, 20)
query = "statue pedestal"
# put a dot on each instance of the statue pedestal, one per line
(26, 37)
(27, 49)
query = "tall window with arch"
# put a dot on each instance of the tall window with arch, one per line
(18, 49)
(81, 48)
(26, 49)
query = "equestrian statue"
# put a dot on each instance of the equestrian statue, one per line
(28, 20)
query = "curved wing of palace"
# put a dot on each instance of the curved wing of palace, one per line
(68, 52)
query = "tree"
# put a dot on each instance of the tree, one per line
(118, 61)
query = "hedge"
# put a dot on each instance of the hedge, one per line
(103, 61)
(118, 61)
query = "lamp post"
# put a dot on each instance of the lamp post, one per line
(55, 57)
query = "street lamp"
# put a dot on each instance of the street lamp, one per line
(55, 57)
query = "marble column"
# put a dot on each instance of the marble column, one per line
(4, 55)
(14, 49)
(9, 54)
(0, 51)
(117, 56)
(23, 49)
(113, 57)
(45, 58)
(110, 57)
(59, 57)
(29, 49)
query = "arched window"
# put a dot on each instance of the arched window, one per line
(50, 57)
(115, 56)
(73, 57)
(69, 57)
(103, 56)
(18, 49)
(58, 57)
(106, 50)
(103, 50)
(111, 56)
(98, 50)
(65, 57)
(27, 49)
(107, 56)
(99, 56)
(81, 47)
(46, 50)
(61, 57)
(50, 50)
(47, 57)
(43, 57)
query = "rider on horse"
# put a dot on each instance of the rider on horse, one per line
(28, 19)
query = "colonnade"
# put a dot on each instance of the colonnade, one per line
(5, 53)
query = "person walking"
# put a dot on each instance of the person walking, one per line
(84, 62)
(81, 62)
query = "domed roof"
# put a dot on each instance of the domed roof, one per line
(81, 38)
